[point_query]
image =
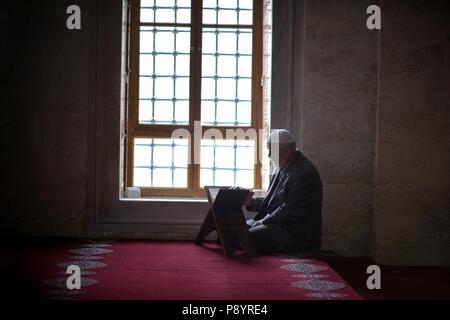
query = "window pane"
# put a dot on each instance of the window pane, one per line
(228, 12)
(224, 156)
(182, 112)
(245, 17)
(224, 177)
(147, 15)
(165, 3)
(245, 66)
(206, 177)
(244, 178)
(164, 111)
(182, 65)
(142, 177)
(164, 88)
(229, 4)
(209, 41)
(245, 158)
(164, 15)
(160, 162)
(142, 155)
(180, 178)
(162, 177)
(227, 163)
(208, 65)
(146, 37)
(209, 3)
(246, 4)
(207, 155)
(226, 89)
(166, 11)
(146, 64)
(145, 111)
(164, 64)
(162, 153)
(245, 42)
(244, 89)
(244, 113)
(208, 88)
(227, 16)
(182, 88)
(183, 16)
(226, 77)
(226, 113)
(183, 41)
(209, 16)
(227, 41)
(180, 154)
(185, 3)
(226, 66)
(209, 113)
(246, 11)
(164, 40)
(145, 87)
(164, 75)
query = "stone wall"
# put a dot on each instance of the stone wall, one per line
(412, 194)
(371, 109)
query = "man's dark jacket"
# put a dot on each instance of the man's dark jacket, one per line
(294, 202)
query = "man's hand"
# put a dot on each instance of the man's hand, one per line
(252, 223)
(257, 223)
(248, 200)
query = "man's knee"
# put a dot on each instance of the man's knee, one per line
(262, 238)
(271, 239)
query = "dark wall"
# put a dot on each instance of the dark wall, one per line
(45, 96)
(371, 109)
(412, 195)
(9, 47)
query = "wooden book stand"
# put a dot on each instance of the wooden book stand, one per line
(225, 216)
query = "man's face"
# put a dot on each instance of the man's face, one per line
(276, 154)
(279, 153)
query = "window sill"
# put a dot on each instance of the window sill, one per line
(167, 199)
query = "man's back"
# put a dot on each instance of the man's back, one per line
(294, 202)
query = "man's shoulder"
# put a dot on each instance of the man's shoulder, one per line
(303, 167)
(301, 164)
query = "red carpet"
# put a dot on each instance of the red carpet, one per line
(180, 270)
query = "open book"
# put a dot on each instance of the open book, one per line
(212, 191)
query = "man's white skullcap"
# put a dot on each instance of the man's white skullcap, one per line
(282, 136)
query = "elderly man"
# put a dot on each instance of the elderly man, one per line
(289, 216)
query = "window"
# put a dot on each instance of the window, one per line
(194, 67)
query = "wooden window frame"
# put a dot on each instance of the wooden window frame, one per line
(134, 129)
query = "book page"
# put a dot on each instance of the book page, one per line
(213, 193)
